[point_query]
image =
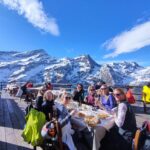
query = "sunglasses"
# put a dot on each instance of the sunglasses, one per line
(80, 87)
(67, 98)
(118, 94)
(92, 90)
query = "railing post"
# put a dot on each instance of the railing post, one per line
(1, 86)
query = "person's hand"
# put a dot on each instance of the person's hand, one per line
(97, 103)
(73, 112)
(115, 115)
(85, 99)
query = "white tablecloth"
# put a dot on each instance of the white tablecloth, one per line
(100, 130)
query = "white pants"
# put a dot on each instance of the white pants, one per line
(67, 136)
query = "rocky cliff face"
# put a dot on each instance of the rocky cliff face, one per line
(38, 66)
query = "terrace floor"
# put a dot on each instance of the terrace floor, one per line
(12, 123)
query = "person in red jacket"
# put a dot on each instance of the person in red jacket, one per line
(48, 86)
(129, 96)
(29, 85)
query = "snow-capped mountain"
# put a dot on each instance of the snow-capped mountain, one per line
(38, 66)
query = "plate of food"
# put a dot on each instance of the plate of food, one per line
(103, 115)
(81, 114)
(86, 107)
(91, 120)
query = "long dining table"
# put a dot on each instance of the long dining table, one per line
(104, 121)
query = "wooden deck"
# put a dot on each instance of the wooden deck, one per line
(139, 112)
(12, 122)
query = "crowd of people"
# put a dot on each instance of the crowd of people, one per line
(100, 96)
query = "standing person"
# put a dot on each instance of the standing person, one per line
(129, 96)
(146, 93)
(25, 91)
(24, 88)
(78, 94)
(122, 134)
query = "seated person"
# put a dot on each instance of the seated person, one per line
(99, 84)
(29, 85)
(26, 92)
(78, 94)
(107, 101)
(48, 86)
(64, 117)
(90, 98)
(48, 105)
(39, 100)
(121, 135)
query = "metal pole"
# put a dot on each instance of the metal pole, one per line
(1, 86)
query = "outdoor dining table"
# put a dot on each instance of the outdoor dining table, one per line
(99, 130)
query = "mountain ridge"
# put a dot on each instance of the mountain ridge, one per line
(39, 66)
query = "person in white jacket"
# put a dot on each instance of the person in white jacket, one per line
(64, 117)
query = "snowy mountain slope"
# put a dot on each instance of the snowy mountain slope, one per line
(37, 65)
(141, 76)
(23, 66)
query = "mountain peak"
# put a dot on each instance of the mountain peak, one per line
(86, 58)
(31, 52)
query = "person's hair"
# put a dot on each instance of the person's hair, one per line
(45, 97)
(65, 94)
(101, 82)
(105, 85)
(80, 85)
(90, 88)
(120, 91)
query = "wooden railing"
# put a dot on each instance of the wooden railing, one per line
(56, 86)
(2, 85)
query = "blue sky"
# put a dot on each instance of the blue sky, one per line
(108, 30)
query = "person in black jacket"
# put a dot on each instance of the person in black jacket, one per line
(48, 105)
(78, 94)
(122, 134)
(39, 100)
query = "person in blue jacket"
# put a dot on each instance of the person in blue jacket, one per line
(106, 100)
